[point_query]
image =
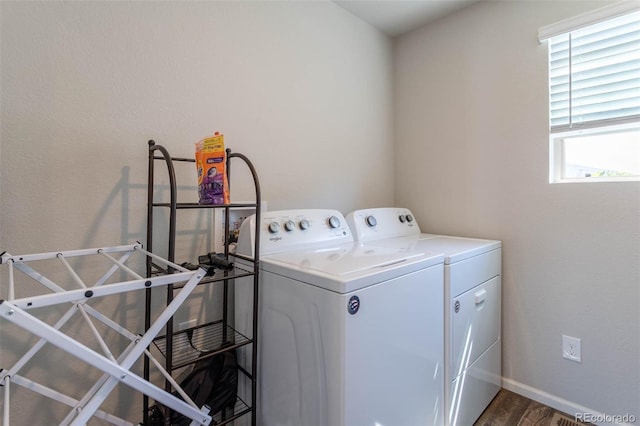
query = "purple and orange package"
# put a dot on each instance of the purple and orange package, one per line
(211, 165)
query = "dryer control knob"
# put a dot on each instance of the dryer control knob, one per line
(409, 218)
(402, 218)
(371, 221)
(304, 224)
(274, 227)
(289, 226)
(334, 222)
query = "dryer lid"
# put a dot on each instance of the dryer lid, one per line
(456, 249)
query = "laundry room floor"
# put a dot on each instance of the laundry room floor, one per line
(510, 409)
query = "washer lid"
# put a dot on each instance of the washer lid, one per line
(347, 267)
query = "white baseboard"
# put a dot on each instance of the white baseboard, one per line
(561, 404)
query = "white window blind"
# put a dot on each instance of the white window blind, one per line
(594, 75)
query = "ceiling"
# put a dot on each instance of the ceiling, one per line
(396, 17)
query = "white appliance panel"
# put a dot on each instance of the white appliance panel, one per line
(475, 319)
(382, 223)
(472, 391)
(294, 387)
(329, 367)
(342, 260)
(456, 249)
(394, 374)
(345, 268)
(470, 272)
(287, 230)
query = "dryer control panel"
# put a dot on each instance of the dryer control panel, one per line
(282, 230)
(379, 223)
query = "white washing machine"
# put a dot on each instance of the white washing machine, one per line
(342, 338)
(472, 289)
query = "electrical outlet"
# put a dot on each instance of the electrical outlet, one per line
(571, 348)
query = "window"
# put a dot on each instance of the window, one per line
(606, 154)
(594, 101)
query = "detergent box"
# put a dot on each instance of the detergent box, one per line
(211, 165)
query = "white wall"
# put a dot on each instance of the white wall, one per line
(472, 159)
(302, 88)
(86, 84)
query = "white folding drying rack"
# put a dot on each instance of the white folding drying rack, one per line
(116, 369)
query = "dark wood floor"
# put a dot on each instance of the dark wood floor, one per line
(511, 409)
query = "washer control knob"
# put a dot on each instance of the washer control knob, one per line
(274, 227)
(289, 226)
(371, 221)
(402, 218)
(409, 218)
(304, 224)
(334, 222)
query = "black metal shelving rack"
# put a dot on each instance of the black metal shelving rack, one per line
(211, 335)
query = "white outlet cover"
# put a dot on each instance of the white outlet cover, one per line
(572, 348)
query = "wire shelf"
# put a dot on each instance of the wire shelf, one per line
(238, 271)
(227, 416)
(183, 348)
(201, 342)
(223, 417)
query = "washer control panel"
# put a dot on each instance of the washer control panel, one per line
(379, 223)
(291, 229)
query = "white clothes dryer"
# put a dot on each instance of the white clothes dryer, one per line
(472, 308)
(342, 338)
